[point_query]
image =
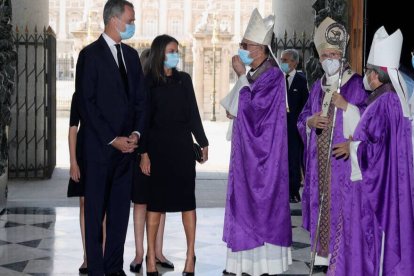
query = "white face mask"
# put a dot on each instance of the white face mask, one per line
(367, 86)
(330, 66)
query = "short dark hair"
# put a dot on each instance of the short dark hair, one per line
(114, 8)
(383, 76)
(157, 56)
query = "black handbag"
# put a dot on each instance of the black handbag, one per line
(198, 154)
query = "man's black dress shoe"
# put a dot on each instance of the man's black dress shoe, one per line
(83, 270)
(294, 199)
(136, 268)
(225, 272)
(119, 273)
(320, 268)
(165, 264)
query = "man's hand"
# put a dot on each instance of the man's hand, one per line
(134, 137)
(145, 164)
(124, 144)
(231, 117)
(339, 101)
(204, 158)
(318, 121)
(341, 150)
(238, 65)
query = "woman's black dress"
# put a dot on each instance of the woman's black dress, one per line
(76, 188)
(173, 118)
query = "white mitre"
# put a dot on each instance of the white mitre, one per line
(386, 52)
(320, 39)
(259, 29)
(386, 49)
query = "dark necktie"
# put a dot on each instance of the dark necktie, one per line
(121, 66)
(287, 82)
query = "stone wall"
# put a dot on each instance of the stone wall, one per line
(30, 13)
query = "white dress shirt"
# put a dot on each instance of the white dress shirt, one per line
(111, 44)
(291, 76)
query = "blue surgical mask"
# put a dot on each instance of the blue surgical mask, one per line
(172, 60)
(244, 56)
(284, 67)
(129, 31)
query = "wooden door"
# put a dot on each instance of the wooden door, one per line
(356, 29)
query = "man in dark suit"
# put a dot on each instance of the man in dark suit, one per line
(110, 84)
(297, 95)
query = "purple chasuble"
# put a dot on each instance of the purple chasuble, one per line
(382, 202)
(354, 93)
(257, 205)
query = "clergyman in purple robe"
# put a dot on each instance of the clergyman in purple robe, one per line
(324, 173)
(257, 224)
(375, 232)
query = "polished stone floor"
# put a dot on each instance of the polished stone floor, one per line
(46, 241)
(39, 232)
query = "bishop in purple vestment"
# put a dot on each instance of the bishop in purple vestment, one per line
(375, 233)
(322, 171)
(257, 224)
(257, 207)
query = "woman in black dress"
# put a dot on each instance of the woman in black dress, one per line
(76, 188)
(140, 198)
(167, 146)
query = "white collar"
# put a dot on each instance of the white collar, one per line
(109, 40)
(292, 73)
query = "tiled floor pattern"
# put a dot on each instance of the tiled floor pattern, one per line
(46, 241)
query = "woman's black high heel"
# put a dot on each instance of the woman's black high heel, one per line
(190, 273)
(165, 264)
(152, 273)
(135, 267)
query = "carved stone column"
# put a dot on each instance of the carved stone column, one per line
(198, 75)
(138, 16)
(237, 32)
(7, 74)
(187, 17)
(162, 25)
(293, 15)
(62, 20)
(224, 87)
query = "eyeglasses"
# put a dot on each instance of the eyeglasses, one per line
(330, 55)
(244, 45)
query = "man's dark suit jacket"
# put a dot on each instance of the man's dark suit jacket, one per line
(108, 109)
(297, 96)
